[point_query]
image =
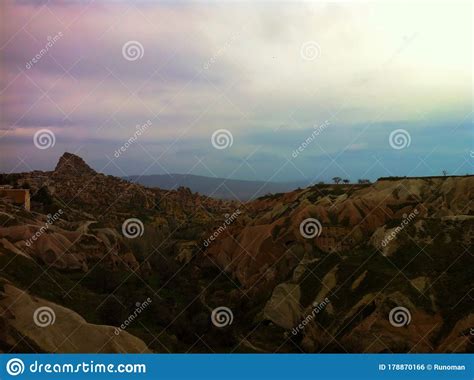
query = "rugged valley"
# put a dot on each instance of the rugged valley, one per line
(382, 267)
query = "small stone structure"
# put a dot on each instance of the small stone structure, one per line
(17, 196)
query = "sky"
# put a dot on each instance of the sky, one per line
(274, 91)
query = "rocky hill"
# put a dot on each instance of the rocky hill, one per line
(396, 243)
(383, 267)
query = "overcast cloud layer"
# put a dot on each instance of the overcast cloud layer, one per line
(370, 68)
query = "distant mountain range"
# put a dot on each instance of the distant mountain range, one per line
(220, 188)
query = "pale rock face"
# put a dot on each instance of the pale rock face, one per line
(421, 283)
(185, 252)
(69, 333)
(358, 281)
(283, 307)
(328, 282)
(382, 241)
(64, 249)
(12, 248)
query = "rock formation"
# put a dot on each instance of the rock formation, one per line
(321, 269)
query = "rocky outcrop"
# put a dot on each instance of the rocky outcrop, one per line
(63, 245)
(348, 221)
(49, 327)
(398, 242)
(69, 164)
(283, 308)
(76, 185)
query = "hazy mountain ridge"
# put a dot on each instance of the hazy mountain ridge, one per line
(222, 188)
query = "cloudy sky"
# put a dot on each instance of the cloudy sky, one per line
(295, 90)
